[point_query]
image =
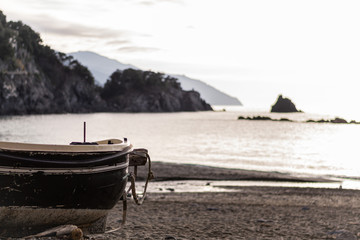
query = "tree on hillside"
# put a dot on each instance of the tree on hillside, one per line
(27, 37)
(6, 51)
(2, 18)
(137, 80)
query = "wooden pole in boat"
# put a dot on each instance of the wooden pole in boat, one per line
(84, 131)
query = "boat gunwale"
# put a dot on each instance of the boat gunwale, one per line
(101, 147)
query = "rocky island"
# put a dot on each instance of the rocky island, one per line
(283, 105)
(35, 79)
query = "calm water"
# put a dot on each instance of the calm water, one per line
(208, 138)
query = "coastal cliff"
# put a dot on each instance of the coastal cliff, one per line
(34, 79)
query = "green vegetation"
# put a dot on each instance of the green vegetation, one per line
(26, 37)
(129, 79)
(6, 51)
(51, 62)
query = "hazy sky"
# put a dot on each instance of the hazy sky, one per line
(254, 50)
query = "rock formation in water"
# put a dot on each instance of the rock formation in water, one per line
(34, 79)
(265, 118)
(283, 105)
(335, 120)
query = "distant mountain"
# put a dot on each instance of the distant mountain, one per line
(207, 92)
(102, 67)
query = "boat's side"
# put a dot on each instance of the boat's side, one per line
(46, 196)
(23, 159)
(68, 188)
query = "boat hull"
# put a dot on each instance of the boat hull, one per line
(59, 189)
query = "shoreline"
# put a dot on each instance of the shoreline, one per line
(249, 212)
(181, 172)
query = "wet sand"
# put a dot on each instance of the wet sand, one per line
(171, 171)
(246, 213)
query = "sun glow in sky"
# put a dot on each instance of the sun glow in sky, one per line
(308, 50)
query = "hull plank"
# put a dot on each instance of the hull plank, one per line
(94, 191)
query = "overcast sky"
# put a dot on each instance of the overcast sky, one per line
(254, 50)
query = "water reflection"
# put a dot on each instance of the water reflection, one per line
(206, 138)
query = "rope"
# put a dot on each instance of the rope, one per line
(139, 200)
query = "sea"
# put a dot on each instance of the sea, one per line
(215, 138)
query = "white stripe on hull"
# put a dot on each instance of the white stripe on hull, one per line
(55, 171)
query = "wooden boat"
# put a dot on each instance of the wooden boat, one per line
(43, 186)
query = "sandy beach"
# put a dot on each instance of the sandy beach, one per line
(246, 213)
(242, 213)
(249, 213)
